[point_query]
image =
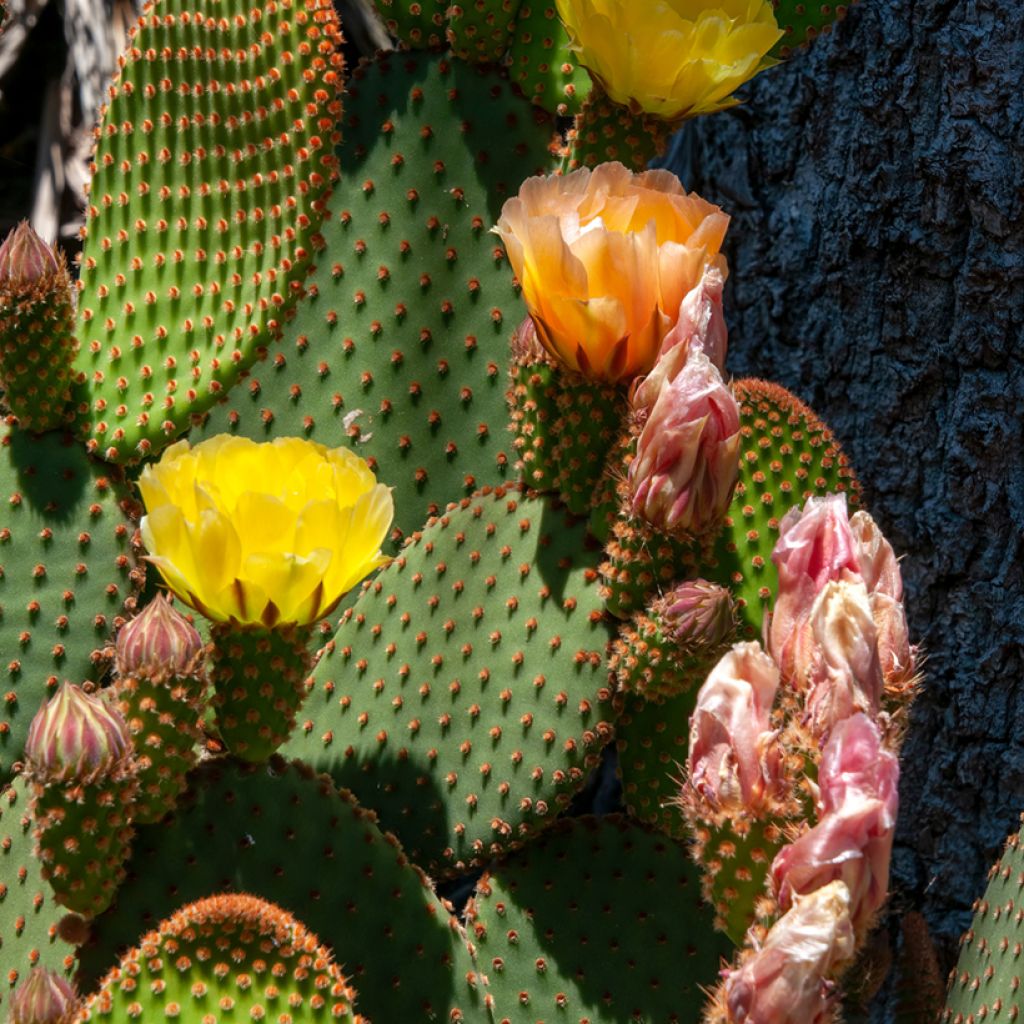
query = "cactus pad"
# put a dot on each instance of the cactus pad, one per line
(212, 162)
(481, 29)
(540, 62)
(37, 343)
(401, 352)
(275, 964)
(163, 718)
(987, 979)
(279, 832)
(564, 426)
(257, 677)
(28, 915)
(416, 23)
(67, 572)
(802, 21)
(653, 739)
(465, 694)
(598, 921)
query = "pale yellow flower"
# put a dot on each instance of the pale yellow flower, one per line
(672, 58)
(605, 259)
(268, 533)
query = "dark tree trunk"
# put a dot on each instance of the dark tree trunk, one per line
(877, 258)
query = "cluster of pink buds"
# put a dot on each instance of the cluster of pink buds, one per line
(838, 647)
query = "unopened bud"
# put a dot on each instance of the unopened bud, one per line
(75, 736)
(43, 998)
(687, 455)
(158, 643)
(25, 258)
(696, 614)
(789, 979)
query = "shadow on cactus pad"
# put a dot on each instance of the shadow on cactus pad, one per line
(285, 834)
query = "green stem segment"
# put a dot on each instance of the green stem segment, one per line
(607, 131)
(258, 677)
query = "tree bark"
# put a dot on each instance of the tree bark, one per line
(876, 185)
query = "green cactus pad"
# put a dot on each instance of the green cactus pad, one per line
(986, 982)
(415, 23)
(802, 21)
(257, 677)
(540, 62)
(83, 835)
(480, 30)
(465, 695)
(564, 427)
(279, 832)
(652, 739)
(787, 455)
(598, 921)
(402, 351)
(275, 966)
(605, 131)
(67, 572)
(37, 346)
(212, 162)
(163, 717)
(28, 915)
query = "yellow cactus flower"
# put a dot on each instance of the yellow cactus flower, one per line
(264, 534)
(605, 259)
(672, 58)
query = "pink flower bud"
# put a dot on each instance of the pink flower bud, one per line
(878, 563)
(43, 998)
(815, 546)
(158, 643)
(75, 736)
(687, 456)
(852, 841)
(787, 981)
(526, 347)
(701, 322)
(734, 761)
(844, 669)
(696, 614)
(25, 257)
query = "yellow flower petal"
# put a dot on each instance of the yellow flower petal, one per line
(269, 533)
(671, 58)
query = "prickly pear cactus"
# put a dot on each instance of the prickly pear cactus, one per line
(29, 916)
(400, 350)
(287, 962)
(465, 695)
(69, 572)
(987, 978)
(802, 21)
(275, 250)
(281, 831)
(212, 164)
